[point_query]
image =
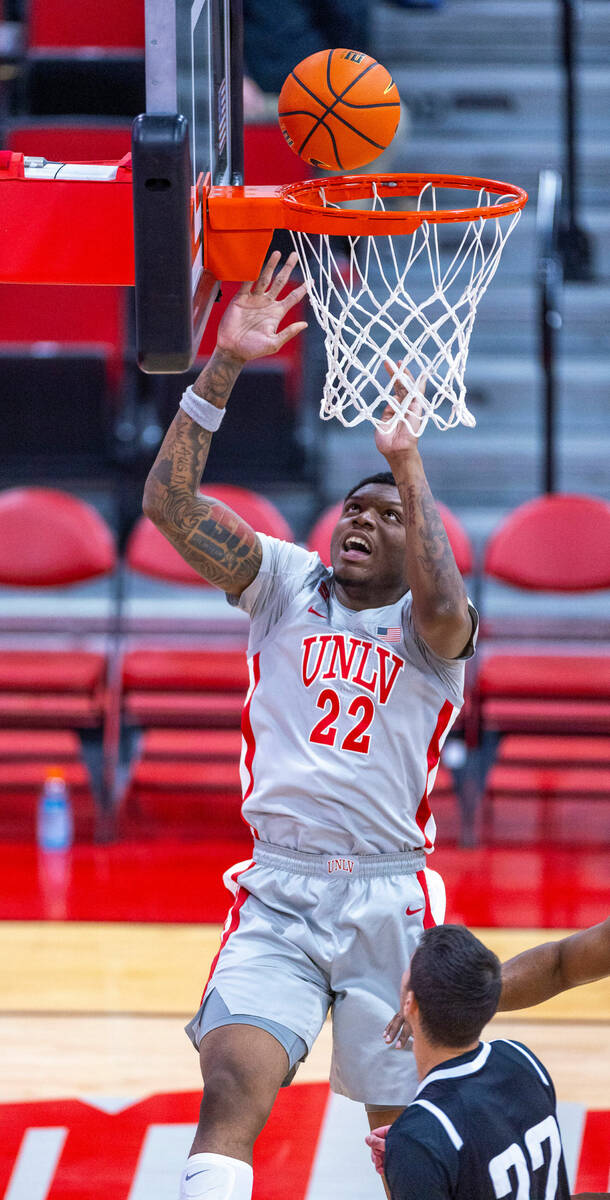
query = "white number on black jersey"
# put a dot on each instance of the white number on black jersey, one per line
(513, 1157)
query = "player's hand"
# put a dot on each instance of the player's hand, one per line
(248, 328)
(401, 439)
(398, 1032)
(375, 1140)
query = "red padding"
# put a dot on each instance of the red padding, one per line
(192, 670)
(23, 776)
(51, 671)
(320, 536)
(64, 24)
(569, 751)
(197, 776)
(68, 314)
(149, 552)
(56, 745)
(554, 543)
(49, 538)
(183, 708)
(548, 716)
(190, 743)
(545, 675)
(549, 781)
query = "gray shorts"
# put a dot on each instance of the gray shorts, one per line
(310, 932)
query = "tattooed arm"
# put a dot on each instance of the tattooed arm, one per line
(210, 536)
(440, 604)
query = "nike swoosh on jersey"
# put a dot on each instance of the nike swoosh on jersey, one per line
(411, 911)
(316, 613)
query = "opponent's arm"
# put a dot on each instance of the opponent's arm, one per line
(440, 604)
(224, 549)
(542, 972)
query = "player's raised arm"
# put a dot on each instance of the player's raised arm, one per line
(542, 972)
(440, 603)
(224, 549)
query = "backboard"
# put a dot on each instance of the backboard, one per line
(190, 135)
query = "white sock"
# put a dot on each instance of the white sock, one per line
(216, 1177)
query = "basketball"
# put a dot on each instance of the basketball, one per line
(339, 109)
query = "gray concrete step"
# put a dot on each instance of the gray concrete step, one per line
(505, 391)
(469, 467)
(518, 262)
(490, 31)
(502, 99)
(516, 160)
(507, 320)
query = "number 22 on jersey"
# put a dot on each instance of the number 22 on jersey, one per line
(357, 738)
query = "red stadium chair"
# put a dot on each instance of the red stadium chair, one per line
(320, 535)
(188, 701)
(61, 24)
(558, 543)
(49, 539)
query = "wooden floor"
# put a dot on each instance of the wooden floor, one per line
(91, 1009)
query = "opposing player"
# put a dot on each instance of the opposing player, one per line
(483, 1122)
(356, 676)
(539, 973)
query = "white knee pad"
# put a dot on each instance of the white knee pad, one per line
(217, 1177)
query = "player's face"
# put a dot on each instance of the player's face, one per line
(368, 542)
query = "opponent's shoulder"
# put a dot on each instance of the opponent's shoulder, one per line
(509, 1054)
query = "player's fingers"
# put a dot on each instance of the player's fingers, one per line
(404, 1037)
(393, 1027)
(266, 275)
(281, 279)
(293, 297)
(286, 335)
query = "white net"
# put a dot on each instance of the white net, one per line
(385, 300)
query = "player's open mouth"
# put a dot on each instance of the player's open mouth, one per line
(355, 547)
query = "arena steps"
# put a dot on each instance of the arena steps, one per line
(505, 388)
(469, 467)
(517, 159)
(499, 99)
(492, 31)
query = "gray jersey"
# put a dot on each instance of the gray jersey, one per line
(345, 715)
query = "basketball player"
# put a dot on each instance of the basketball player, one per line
(483, 1122)
(539, 973)
(356, 676)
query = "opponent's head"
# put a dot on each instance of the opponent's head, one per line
(452, 987)
(367, 549)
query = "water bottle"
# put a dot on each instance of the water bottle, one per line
(55, 826)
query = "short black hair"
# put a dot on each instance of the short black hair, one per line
(381, 477)
(456, 981)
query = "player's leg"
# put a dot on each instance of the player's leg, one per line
(243, 1068)
(379, 1117)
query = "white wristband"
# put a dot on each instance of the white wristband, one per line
(201, 411)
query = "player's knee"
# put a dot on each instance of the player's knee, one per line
(234, 1094)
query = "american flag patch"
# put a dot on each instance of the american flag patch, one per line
(393, 634)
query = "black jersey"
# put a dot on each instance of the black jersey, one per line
(481, 1126)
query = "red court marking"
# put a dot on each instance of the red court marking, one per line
(525, 887)
(593, 1173)
(101, 1152)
